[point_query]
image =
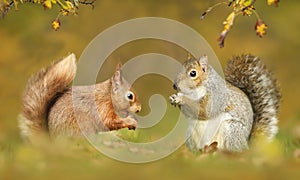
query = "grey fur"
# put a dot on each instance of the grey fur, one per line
(239, 116)
(248, 73)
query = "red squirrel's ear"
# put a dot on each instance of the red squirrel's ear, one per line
(117, 77)
(118, 72)
(119, 66)
(204, 63)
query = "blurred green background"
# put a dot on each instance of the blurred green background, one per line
(28, 43)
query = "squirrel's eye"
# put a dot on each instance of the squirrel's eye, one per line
(130, 95)
(193, 73)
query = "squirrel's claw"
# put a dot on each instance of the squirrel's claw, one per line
(175, 99)
(172, 100)
(131, 127)
(128, 122)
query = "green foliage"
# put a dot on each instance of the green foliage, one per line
(244, 7)
(66, 7)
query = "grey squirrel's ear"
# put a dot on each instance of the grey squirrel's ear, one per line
(204, 63)
(189, 56)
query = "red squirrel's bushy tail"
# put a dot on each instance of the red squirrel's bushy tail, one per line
(249, 73)
(40, 90)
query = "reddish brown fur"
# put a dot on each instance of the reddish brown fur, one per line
(50, 105)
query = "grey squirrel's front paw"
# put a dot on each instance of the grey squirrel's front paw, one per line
(176, 99)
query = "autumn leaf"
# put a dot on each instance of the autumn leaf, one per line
(66, 7)
(229, 21)
(37, 1)
(273, 2)
(248, 10)
(240, 7)
(222, 37)
(64, 12)
(55, 24)
(260, 28)
(4, 6)
(245, 3)
(47, 4)
(227, 26)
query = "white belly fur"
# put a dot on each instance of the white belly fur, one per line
(201, 133)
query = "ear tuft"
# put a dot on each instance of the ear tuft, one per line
(118, 72)
(119, 66)
(117, 78)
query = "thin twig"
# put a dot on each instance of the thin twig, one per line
(211, 8)
(256, 14)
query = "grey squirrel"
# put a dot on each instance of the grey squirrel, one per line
(49, 107)
(231, 112)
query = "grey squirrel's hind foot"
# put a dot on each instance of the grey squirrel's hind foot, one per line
(210, 148)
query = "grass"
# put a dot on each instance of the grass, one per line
(77, 159)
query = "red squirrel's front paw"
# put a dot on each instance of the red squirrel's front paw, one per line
(127, 122)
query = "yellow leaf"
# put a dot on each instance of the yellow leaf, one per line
(64, 12)
(37, 1)
(55, 24)
(47, 4)
(260, 28)
(245, 3)
(70, 7)
(248, 11)
(229, 21)
(227, 25)
(273, 2)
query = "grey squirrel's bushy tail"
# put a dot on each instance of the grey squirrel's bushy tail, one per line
(40, 90)
(248, 73)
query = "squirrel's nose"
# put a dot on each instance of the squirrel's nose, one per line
(175, 87)
(138, 109)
